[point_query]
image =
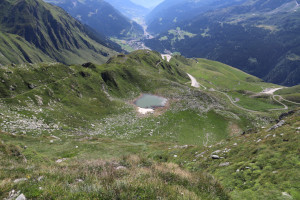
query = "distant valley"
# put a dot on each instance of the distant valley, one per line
(258, 37)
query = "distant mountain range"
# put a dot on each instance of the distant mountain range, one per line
(103, 17)
(173, 12)
(258, 36)
(35, 31)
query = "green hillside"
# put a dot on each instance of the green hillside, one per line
(290, 94)
(73, 132)
(34, 31)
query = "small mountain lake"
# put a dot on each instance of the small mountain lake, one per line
(150, 101)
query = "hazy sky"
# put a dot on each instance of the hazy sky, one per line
(147, 3)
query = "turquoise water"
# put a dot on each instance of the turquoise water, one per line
(150, 101)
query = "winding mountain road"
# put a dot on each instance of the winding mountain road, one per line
(269, 91)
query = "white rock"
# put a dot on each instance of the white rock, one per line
(12, 195)
(40, 178)
(224, 164)
(21, 197)
(287, 195)
(20, 180)
(216, 152)
(215, 157)
(121, 168)
(175, 156)
(61, 160)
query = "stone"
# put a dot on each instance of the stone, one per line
(40, 178)
(216, 152)
(21, 197)
(121, 168)
(175, 156)
(279, 124)
(287, 195)
(12, 195)
(224, 164)
(61, 160)
(259, 140)
(31, 86)
(20, 180)
(215, 157)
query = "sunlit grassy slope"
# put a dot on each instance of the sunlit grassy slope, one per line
(291, 94)
(243, 88)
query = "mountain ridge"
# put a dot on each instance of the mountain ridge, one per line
(102, 17)
(52, 32)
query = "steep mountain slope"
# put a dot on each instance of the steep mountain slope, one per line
(172, 12)
(102, 17)
(34, 31)
(259, 37)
